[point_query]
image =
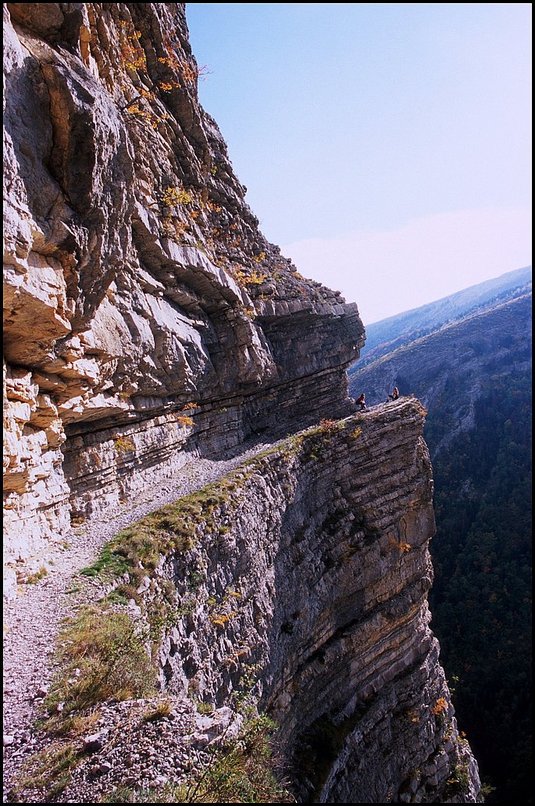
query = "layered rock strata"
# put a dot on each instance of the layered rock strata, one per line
(146, 318)
(300, 587)
(313, 573)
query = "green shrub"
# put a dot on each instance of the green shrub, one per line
(124, 444)
(458, 782)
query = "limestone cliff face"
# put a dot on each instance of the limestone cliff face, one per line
(298, 585)
(136, 281)
(147, 321)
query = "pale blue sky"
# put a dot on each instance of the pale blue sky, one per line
(386, 147)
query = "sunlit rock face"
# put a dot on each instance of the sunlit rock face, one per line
(136, 281)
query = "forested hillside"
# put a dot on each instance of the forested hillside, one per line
(481, 597)
(474, 376)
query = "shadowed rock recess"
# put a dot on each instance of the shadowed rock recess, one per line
(147, 323)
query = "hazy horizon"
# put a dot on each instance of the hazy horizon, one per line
(453, 293)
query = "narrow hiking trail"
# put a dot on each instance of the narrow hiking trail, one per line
(33, 618)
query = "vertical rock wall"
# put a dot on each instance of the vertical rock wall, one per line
(146, 318)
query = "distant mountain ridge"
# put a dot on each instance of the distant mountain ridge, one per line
(384, 336)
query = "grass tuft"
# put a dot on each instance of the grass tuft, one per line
(48, 772)
(103, 657)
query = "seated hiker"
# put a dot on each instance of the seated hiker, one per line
(395, 394)
(361, 401)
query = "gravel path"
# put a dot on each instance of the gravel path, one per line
(32, 619)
